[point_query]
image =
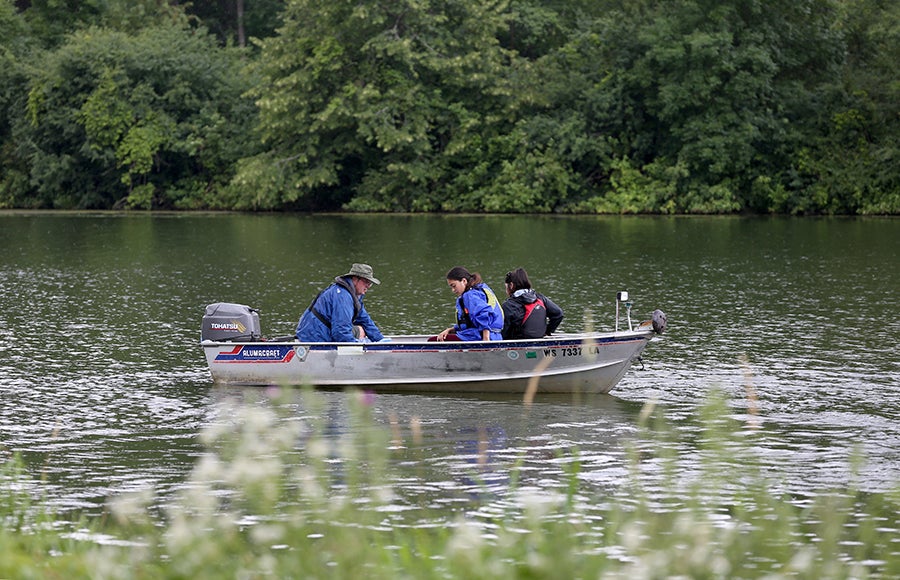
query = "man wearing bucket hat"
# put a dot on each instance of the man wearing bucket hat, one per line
(337, 313)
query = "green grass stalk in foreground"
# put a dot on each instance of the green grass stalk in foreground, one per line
(276, 496)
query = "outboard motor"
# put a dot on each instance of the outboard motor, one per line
(659, 319)
(225, 321)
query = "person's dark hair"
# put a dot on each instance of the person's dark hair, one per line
(519, 279)
(461, 273)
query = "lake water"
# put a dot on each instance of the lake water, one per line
(104, 389)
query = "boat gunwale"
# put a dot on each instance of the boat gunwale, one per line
(419, 343)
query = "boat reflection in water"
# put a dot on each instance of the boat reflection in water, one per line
(447, 449)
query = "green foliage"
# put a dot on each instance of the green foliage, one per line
(632, 191)
(51, 20)
(31, 544)
(14, 46)
(385, 102)
(851, 164)
(260, 18)
(692, 86)
(534, 29)
(685, 106)
(510, 173)
(118, 120)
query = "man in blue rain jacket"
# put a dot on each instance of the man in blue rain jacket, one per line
(337, 313)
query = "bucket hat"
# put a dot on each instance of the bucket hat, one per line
(363, 271)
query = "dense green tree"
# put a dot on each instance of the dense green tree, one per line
(533, 29)
(850, 162)
(152, 120)
(685, 106)
(14, 41)
(51, 20)
(238, 20)
(15, 48)
(387, 104)
(697, 99)
(452, 105)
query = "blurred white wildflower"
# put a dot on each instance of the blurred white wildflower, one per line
(466, 541)
(267, 534)
(537, 503)
(266, 565)
(208, 469)
(131, 507)
(347, 448)
(180, 532)
(249, 470)
(632, 536)
(259, 477)
(318, 448)
(197, 497)
(106, 562)
(383, 493)
(310, 486)
(803, 561)
(285, 437)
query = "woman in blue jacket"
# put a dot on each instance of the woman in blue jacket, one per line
(337, 313)
(478, 312)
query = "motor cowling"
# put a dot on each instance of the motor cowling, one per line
(226, 321)
(659, 320)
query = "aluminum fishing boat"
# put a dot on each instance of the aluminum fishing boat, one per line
(589, 362)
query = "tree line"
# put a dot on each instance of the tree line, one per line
(531, 106)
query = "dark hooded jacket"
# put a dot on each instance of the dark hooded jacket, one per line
(528, 314)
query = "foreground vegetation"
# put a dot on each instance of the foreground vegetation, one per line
(279, 497)
(539, 106)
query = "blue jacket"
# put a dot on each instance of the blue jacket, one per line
(478, 309)
(339, 305)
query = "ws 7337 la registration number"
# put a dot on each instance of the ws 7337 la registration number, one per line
(572, 350)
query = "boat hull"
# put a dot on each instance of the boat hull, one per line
(588, 363)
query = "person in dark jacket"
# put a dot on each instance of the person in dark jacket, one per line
(337, 313)
(527, 314)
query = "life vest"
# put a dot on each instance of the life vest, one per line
(342, 282)
(464, 320)
(534, 326)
